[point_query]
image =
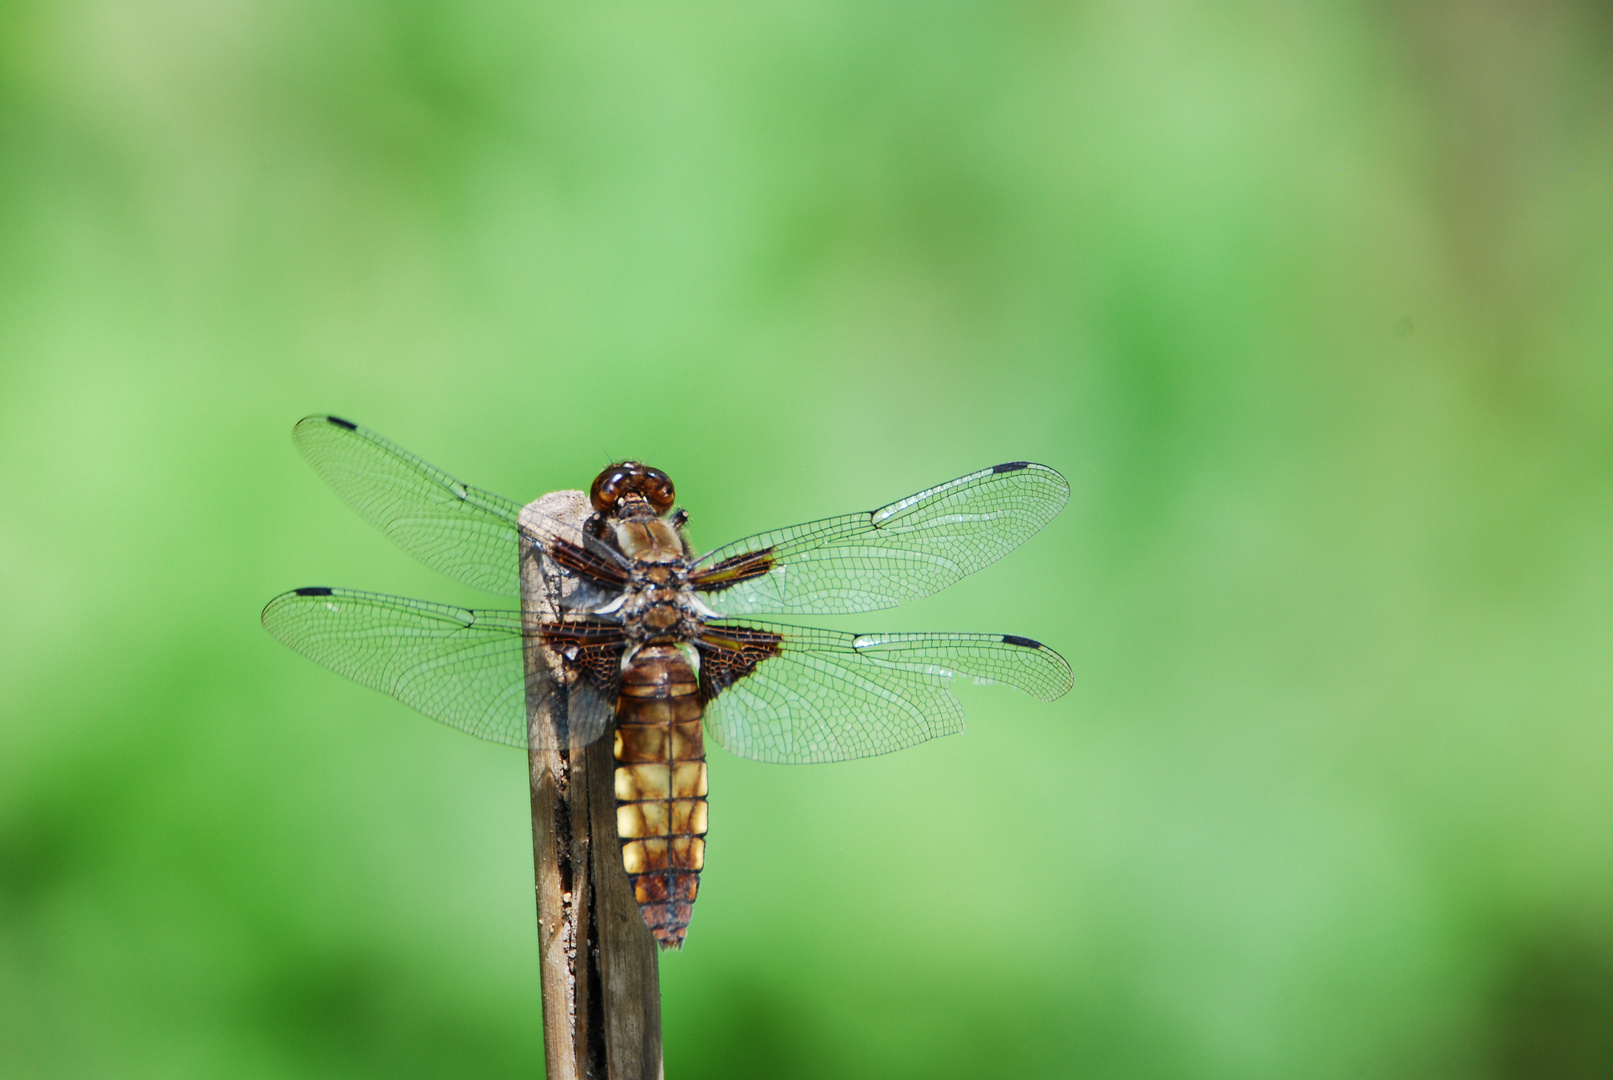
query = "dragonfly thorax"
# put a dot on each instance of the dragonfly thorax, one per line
(653, 541)
(659, 605)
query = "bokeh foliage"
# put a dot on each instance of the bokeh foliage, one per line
(1309, 301)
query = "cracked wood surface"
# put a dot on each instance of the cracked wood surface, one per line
(600, 974)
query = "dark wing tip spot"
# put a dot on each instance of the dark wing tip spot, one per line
(339, 422)
(1010, 466)
(1022, 642)
(313, 590)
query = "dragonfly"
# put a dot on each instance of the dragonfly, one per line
(648, 642)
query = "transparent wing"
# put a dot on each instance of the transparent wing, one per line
(461, 666)
(911, 548)
(798, 695)
(464, 532)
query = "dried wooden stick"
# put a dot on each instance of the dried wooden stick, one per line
(600, 973)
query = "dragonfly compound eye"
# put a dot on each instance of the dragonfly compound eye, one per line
(632, 478)
(611, 485)
(657, 488)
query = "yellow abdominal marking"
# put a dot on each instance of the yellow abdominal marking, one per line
(635, 821)
(639, 856)
(654, 780)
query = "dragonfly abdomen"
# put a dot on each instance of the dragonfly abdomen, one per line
(661, 788)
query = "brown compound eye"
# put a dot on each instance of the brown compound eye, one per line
(611, 485)
(657, 488)
(631, 478)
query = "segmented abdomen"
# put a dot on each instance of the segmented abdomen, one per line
(661, 788)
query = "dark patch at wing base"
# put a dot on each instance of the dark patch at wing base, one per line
(586, 562)
(729, 654)
(592, 648)
(733, 570)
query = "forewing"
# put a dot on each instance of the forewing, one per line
(464, 532)
(862, 562)
(461, 666)
(794, 694)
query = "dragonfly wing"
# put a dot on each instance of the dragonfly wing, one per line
(461, 666)
(464, 532)
(862, 562)
(793, 694)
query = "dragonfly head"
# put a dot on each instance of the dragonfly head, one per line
(629, 488)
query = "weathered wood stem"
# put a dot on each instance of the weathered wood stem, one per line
(600, 974)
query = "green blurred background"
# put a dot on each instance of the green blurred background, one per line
(1309, 301)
